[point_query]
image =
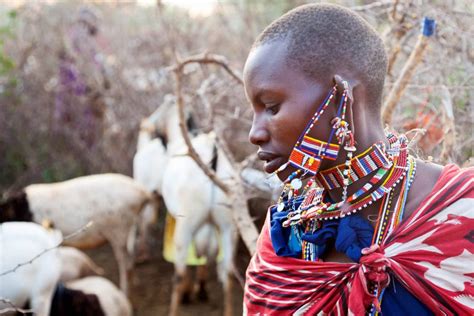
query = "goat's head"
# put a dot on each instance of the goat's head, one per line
(15, 208)
(166, 117)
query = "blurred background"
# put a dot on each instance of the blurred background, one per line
(71, 98)
(77, 77)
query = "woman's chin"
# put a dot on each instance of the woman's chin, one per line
(285, 173)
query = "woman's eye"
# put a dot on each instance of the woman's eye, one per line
(272, 108)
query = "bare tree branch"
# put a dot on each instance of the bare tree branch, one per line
(371, 6)
(406, 74)
(235, 191)
(449, 131)
(184, 131)
(206, 58)
(12, 307)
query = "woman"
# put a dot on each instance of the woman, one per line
(361, 226)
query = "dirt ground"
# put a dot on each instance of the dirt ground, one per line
(152, 283)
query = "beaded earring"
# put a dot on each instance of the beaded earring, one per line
(308, 152)
(345, 137)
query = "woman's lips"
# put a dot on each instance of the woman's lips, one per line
(272, 161)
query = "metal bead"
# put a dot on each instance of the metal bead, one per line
(281, 207)
(296, 184)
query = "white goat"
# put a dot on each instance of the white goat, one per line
(34, 282)
(112, 301)
(149, 164)
(196, 202)
(111, 201)
(75, 264)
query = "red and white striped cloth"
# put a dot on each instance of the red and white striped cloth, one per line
(431, 253)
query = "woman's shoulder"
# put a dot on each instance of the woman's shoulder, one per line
(431, 178)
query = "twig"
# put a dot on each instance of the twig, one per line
(405, 76)
(206, 58)
(184, 131)
(449, 131)
(79, 231)
(207, 104)
(393, 12)
(13, 308)
(178, 70)
(371, 6)
(419, 132)
(235, 191)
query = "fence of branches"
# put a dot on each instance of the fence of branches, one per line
(138, 47)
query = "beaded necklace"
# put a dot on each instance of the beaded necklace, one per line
(388, 219)
(362, 165)
(314, 209)
(390, 214)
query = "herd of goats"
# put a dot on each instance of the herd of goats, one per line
(37, 275)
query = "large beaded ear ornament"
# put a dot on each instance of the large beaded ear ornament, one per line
(308, 153)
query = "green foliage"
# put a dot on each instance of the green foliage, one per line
(13, 163)
(6, 63)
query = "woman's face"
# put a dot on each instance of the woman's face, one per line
(283, 100)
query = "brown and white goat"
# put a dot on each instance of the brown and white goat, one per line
(112, 202)
(91, 296)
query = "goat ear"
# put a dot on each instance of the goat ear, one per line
(7, 213)
(16, 207)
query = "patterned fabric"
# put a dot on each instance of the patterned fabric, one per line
(430, 254)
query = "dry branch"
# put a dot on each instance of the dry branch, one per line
(12, 307)
(404, 78)
(235, 189)
(371, 6)
(449, 130)
(184, 130)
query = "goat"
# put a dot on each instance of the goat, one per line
(149, 164)
(91, 296)
(195, 202)
(72, 302)
(111, 201)
(36, 280)
(113, 302)
(75, 264)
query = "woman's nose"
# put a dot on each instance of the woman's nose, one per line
(258, 134)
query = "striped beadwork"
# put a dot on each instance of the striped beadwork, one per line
(361, 166)
(316, 147)
(305, 161)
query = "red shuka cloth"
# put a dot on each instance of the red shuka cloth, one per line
(431, 253)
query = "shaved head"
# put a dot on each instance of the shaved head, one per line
(325, 38)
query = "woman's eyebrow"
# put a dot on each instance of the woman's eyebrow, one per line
(263, 91)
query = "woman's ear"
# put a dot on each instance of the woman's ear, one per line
(344, 85)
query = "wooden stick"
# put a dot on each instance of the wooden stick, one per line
(235, 191)
(449, 130)
(406, 75)
(184, 131)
